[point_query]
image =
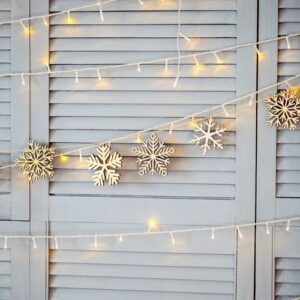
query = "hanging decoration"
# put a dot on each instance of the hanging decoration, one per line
(208, 135)
(284, 109)
(105, 165)
(153, 156)
(36, 161)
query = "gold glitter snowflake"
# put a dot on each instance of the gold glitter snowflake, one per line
(36, 161)
(105, 164)
(153, 156)
(208, 134)
(284, 109)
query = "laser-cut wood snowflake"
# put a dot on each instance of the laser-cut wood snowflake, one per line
(36, 161)
(105, 165)
(153, 156)
(208, 135)
(284, 109)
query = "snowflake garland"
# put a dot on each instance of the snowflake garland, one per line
(105, 165)
(153, 156)
(208, 134)
(284, 109)
(36, 161)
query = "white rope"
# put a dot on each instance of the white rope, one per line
(166, 126)
(145, 62)
(145, 233)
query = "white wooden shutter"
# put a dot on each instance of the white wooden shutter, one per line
(288, 142)
(14, 262)
(14, 110)
(218, 188)
(278, 157)
(5, 99)
(149, 267)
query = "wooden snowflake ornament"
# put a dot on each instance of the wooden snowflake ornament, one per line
(284, 109)
(36, 161)
(105, 165)
(208, 134)
(153, 156)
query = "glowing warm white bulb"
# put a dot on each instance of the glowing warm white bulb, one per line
(139, 67)
(184, 36)
(80, 155)
(45, 21)
(267, 228)
(95, 241)
(172, 238)
(196, 60)
(76, 77)
(141, 2)
(212, 233)
(171, 128)
(239, 232)
(48, 67)
(166, 66)
(217, 57)
(251, 100)
(100, 11)
(23, 80)
(56, 243)
(225, 110)
(5, 242)
(121, 238)
(34, 243)
(99, 75)
(138, 138)
(175, 82)
(288, 223)
(288, 42)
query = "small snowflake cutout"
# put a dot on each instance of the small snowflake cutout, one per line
(284, 109)
(105, 165)
(208, 134)
(153, 156)
(36, 161)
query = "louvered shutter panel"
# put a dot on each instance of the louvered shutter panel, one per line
(149, 267)
(14, 262)
(217, 188)
(278, 157)
(5, 118)
(288, 142)
(14, 106)
(287, 264)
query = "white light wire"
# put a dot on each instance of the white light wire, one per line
(171, 233)
(167, 125)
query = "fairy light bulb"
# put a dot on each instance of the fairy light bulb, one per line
(76, 77)
(56, 243)
(140, 2)
(80, 155)
(196, 61)
(175, 82)
(99, 75)
(225, 110)
(34, 243)
(166, 66)
(239, 232)
(121, 238)
(184, 36)
(138, 67)
(69, 20)
(95, 241)
(152, 224)
(288, 223)
(5, 242)
(172, 238)
(212, 234)
(288, 42)
(138, 138)
(48, 67)
(251, 100)
(193, 122)
(267, 228)
(64, 158)
(23, 80)
(45, 21)
(171, 128)
(100, 11)
(218, 59)
(26, 30)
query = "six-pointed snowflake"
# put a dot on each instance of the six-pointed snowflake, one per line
(153, 156)
(284, 109)
(105, 165)
(208, 134)
(36, 161)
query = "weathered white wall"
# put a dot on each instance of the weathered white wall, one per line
(216, 189)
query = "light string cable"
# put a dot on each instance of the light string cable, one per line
(62, 12)
(286, 221)
(179, 122)
(145, 62)
(178, 44)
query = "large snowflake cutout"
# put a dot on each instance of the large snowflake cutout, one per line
(153, 156)
(284, 109)
(36, 161)
(208, 135)
(105, 165)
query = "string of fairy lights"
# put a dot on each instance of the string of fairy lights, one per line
(153, 230)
